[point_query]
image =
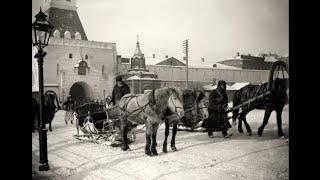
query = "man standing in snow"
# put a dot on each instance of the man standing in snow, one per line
(218, 102)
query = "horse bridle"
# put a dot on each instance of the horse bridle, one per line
(175, 108)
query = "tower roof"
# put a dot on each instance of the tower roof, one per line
(137, 52)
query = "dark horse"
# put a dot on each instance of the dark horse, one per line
(195, 109)
(49, 109)
(273, 102)
(149, 109)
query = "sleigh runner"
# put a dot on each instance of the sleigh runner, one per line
(100, 125)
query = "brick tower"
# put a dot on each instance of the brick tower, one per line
(63, 15)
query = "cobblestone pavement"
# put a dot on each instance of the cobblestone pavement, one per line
(198, 157)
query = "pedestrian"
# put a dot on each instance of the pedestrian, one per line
(218, 103)
(119, 90)
(69, 106)
(108, 102)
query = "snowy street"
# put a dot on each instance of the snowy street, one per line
(198, 157)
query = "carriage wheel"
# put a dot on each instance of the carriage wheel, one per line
(275, 72)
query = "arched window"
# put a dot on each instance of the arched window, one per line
(58, 69)
(70, 56)
(102, 69)
(56, 33)
(82, 68)
(67, 35)
(77, 36)
(86, 57)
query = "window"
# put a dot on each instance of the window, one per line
(58, 69)
(77, 36)
(86, 57)
(69, 0)
(102, 69)
(67, 35)
(82, 68)
(70, 56)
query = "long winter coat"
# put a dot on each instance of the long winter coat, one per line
(218, 99)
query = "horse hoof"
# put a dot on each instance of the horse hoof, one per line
(283, 137)
(259, 135)
(249, 134)
(148, 153)
(173, 149)
(125, 148)
(154, 153)
(165, 150)
(66, 122)
(50, 129)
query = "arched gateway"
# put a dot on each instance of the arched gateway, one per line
(81, 92)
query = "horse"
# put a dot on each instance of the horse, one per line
(49, 109)
(274, 102)
(150, 109)
(194, 107)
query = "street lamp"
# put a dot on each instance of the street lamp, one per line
(41, 31)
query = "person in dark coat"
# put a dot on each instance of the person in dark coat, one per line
(218, 102)
(119, 90)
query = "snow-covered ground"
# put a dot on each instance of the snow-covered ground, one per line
(198, 157)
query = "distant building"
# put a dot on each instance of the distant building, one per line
(248, 62)
(169, 61)
(138, 76)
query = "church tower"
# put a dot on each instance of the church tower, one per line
(138, 59)
(63, 15)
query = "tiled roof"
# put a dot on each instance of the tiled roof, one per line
(66, 20)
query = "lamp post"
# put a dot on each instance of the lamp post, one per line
(41, 31)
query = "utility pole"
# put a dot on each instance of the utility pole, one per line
(186, 52)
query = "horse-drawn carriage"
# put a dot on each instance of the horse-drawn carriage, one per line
(97, 124)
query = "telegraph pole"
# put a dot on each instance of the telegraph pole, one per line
(186, 52)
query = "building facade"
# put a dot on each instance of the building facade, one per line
(87, 69)
(73, 65)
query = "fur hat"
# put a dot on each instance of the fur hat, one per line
(119, 78)
(221, 82)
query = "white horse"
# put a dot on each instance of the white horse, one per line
(149, 109)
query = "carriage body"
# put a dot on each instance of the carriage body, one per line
(101, 127)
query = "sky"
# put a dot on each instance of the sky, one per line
(216, 29)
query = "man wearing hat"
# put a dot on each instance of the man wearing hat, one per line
(119, 90)
(218, 102)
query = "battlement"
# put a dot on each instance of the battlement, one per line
(81, 43)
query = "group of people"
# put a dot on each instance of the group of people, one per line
(218, 104)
